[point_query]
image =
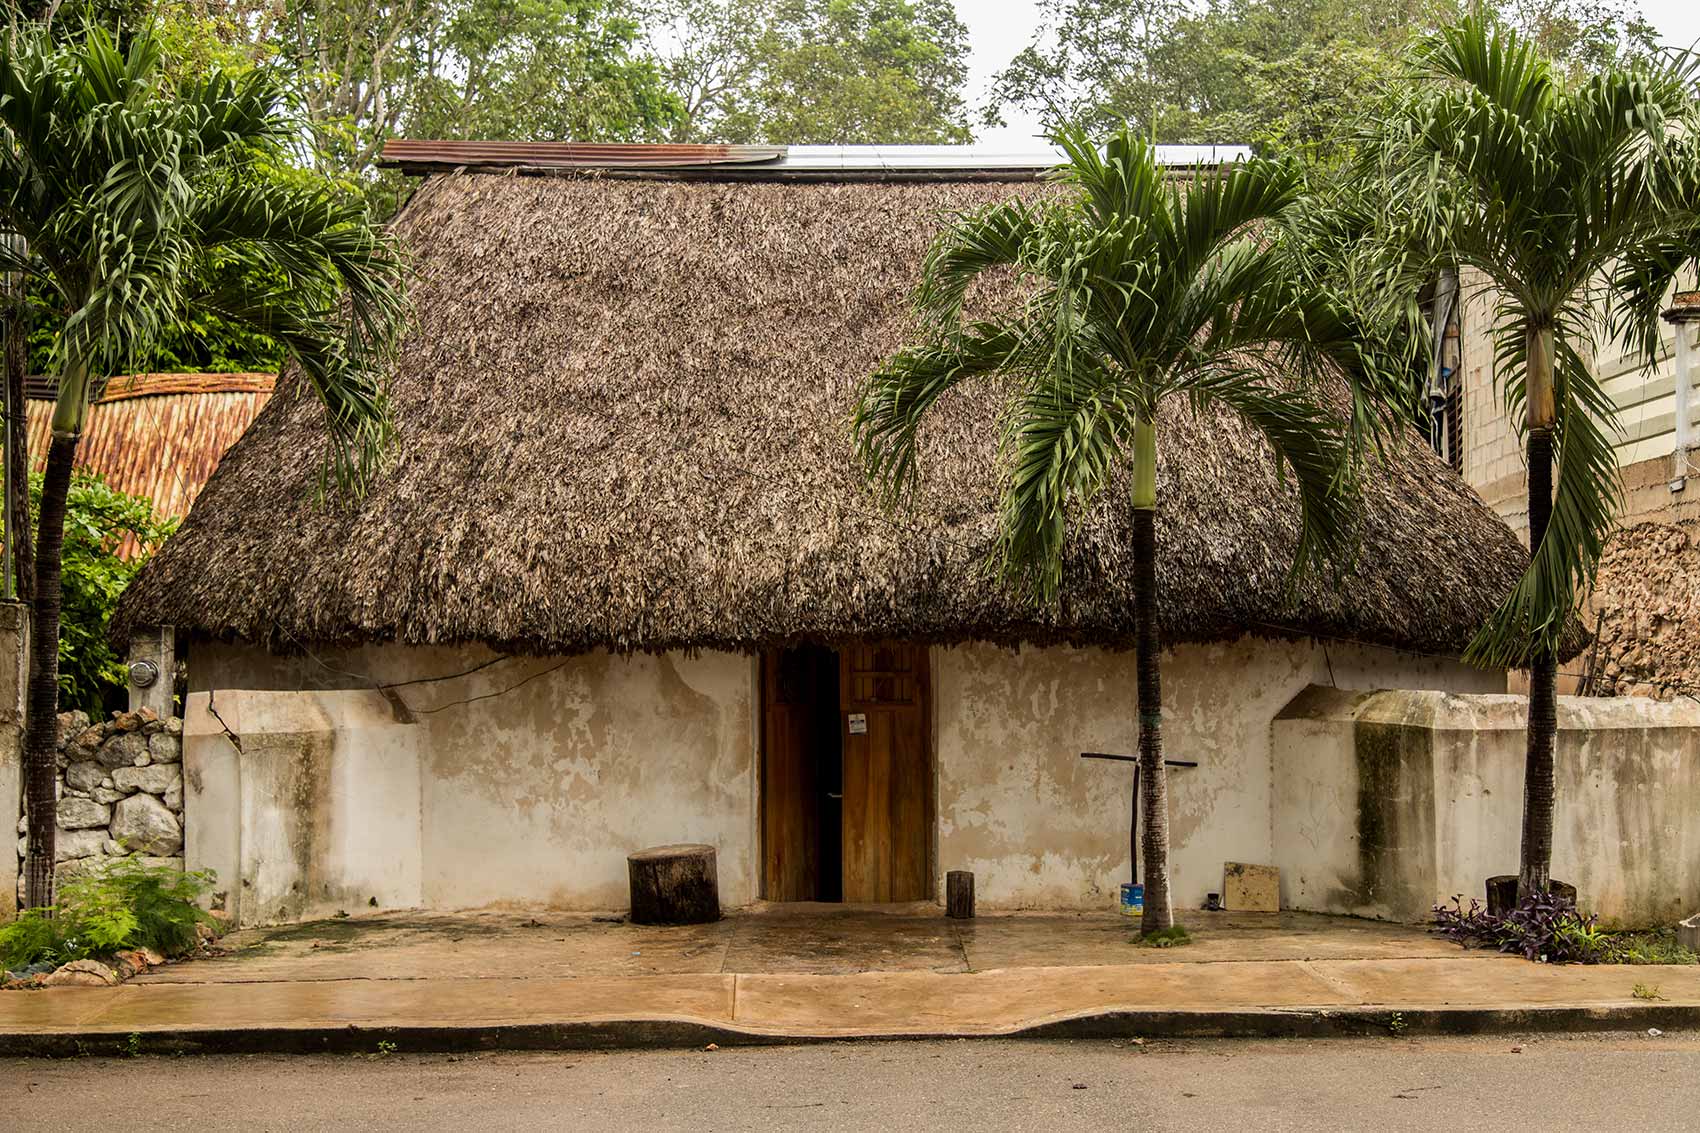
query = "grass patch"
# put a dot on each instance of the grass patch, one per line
(1653, 946)
(1172, 937)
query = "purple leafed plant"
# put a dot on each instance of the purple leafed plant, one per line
(1541, 927)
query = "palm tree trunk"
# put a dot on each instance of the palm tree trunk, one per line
(1535, 870)
(1153, 779)
(1540, 396)
(42, 733)
(17, 431)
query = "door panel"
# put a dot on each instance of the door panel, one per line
(887, 773)
(790, 790)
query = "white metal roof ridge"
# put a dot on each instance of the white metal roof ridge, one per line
(977, 157)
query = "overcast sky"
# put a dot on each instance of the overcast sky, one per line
(997, 29)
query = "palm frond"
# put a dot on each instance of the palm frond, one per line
(143, 206)
(1586, 492)
(895, 399)
(1307, 440)
(1225, 205)
(1070, 428)
(1494, 60)
(349, 376)
(970, 245)
(1138, 292)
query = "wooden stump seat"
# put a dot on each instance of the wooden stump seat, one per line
(676, 884)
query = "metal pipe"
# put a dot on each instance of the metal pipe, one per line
(1684, 379)
(1684, 316)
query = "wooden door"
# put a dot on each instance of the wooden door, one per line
(793, 684)
(887, 835)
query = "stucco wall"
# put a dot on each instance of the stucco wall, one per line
(14, 682)
(1390, 802)
(1042, 828)
(529, 780)
(526, 781)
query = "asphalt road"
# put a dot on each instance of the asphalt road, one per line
(1539, 1082)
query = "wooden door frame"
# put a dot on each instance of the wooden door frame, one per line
(929, 742)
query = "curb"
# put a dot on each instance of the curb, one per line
(677, 1034)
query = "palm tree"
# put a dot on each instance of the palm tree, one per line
(1555, 192)
(141, 207)
(1139, 291)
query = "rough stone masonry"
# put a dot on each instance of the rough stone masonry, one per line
(120, 792)
(1645, 612)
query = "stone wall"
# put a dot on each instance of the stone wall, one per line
(14, 664)
(120, 791)
(1646, 607)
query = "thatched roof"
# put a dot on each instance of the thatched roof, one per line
(154, 435)
(623, 423)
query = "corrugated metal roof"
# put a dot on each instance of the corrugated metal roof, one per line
(157, 435)
(780, 163)
(980, 159)
(423, 155)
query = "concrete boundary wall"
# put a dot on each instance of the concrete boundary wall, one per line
(14, 694)
(1388, 802)
(1043, 828)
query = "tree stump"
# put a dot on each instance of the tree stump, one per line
(1502, 893)
(959, 895)
(1688, 933)
(674, 885)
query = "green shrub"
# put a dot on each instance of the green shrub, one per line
(127, 904)
(30, 939)
(98, 518)
(1653, 946)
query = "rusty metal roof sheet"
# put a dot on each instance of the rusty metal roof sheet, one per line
(158, 435)
(421, 155)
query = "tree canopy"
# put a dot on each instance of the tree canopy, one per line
(818, 71)
(1279, 74)
(781, 71)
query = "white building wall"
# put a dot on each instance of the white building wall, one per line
(529, 781)
(526, 782)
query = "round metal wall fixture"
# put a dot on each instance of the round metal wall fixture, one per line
(143, 673)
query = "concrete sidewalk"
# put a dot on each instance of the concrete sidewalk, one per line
(430, 995)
